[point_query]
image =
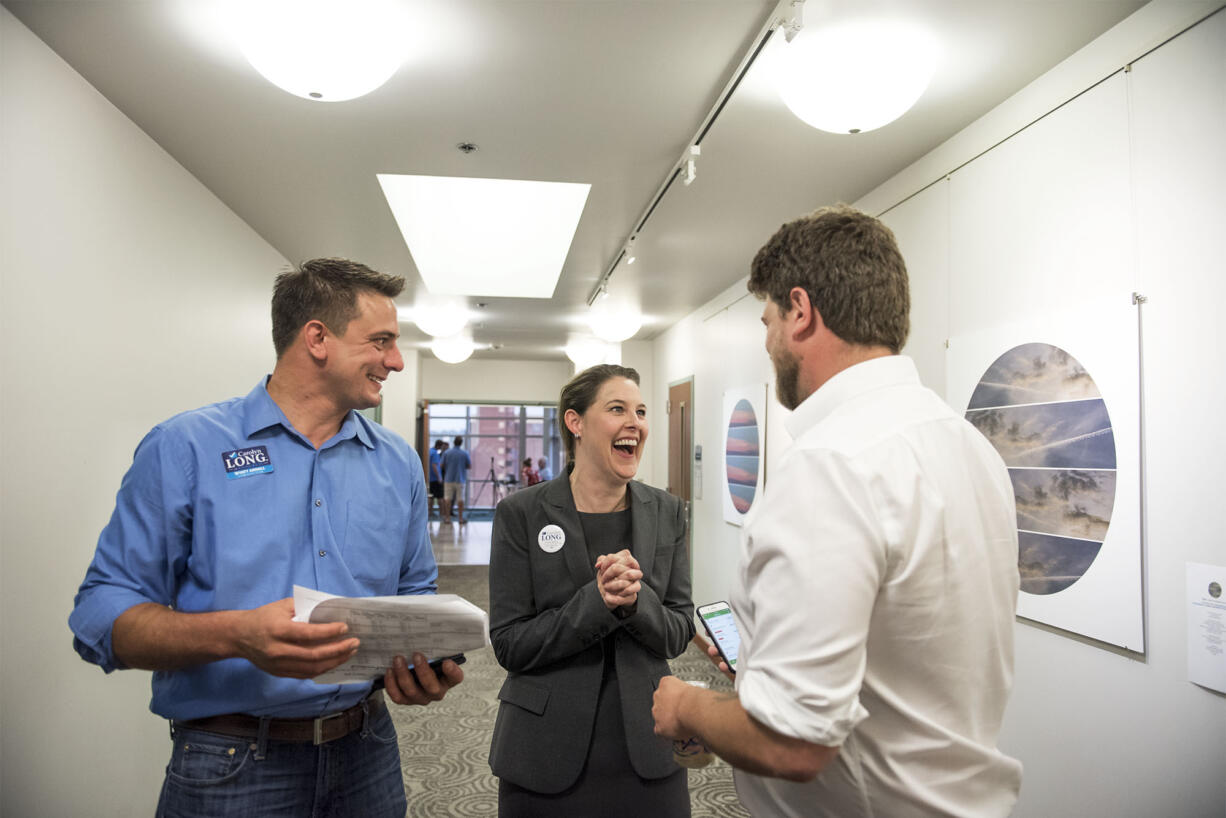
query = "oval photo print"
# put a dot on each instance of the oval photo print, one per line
(1044, 414)
(742, 454)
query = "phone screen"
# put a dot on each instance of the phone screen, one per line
(718, 621)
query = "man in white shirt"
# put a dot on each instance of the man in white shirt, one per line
(879, 576)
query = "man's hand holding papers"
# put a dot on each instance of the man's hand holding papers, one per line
(391, 628)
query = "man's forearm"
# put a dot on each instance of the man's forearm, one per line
(731, 733)
(153, 637)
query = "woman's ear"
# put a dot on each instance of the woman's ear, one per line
(574, 422)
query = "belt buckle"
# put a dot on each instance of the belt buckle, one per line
(319, 725)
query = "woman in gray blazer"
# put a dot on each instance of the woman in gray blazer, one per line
(589, 598)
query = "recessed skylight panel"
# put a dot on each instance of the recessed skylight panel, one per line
(489, 237)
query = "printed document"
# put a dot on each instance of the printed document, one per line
(1207, 625)
(437, 625)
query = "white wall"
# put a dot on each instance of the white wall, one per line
(400, 395)
(478, 380)
(1101, 731)
(720, 346)
(129, 293)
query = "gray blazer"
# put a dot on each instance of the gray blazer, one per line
(547, 621)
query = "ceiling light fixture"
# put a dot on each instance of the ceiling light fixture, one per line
(856, 76)
(439, 316)
(586, 351)
(629, 251)
(614, 321)
(456, 349)
(325, 50)
(689, 166)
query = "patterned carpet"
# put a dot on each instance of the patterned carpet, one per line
(444, 748)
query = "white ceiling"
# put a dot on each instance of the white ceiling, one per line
(606, 92)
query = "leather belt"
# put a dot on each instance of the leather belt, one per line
(317, 731)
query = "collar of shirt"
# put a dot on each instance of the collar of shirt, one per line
(260, 411)
(858, 379)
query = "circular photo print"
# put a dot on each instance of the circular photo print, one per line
(742, 453)
(1042, 411)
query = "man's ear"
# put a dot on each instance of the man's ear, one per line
(803, 318)
(314, 332)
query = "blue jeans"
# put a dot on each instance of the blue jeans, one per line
(212, 775)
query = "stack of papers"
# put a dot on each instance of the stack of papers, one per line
(437, 625)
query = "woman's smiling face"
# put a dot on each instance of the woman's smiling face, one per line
(611, 433)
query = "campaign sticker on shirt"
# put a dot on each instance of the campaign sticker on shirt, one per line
(246, 462)
(551, 539)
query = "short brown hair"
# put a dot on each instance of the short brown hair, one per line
(580, 392)
(849, 264)
(323, 289)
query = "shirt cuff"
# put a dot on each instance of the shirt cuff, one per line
(796, 713)
(93, 619)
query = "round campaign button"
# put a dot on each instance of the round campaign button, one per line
(551, 539)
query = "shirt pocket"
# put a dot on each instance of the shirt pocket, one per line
(374, 544)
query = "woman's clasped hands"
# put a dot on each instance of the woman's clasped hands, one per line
(618, 579)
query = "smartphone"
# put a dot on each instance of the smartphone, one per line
(437, 665)
(719, 624)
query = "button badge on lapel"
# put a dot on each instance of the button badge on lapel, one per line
(551, 539)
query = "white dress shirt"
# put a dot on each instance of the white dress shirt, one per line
(878, 586)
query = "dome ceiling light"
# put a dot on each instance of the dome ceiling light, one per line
(585, 351)
(857, 76)
(614, 321)
(453, 350)
(438, 316)
(323, 50)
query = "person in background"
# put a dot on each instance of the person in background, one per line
(436, 474)
(589, 598)
(543, 469)
(456, 464)
(224, 510)
(528, 475)
(879, 576)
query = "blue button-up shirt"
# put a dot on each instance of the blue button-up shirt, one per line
(456, 465)
(228, 507)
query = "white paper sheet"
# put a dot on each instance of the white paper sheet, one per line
(1207, 625)
(437, 625)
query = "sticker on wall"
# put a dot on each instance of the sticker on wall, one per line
(744, 449)
(1044, 414)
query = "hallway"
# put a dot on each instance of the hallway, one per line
(456, 544)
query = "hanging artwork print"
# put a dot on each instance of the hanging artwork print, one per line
(1061, 413)
(1045, 416)
(744, 450)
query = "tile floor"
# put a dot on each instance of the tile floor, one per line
(456, 544)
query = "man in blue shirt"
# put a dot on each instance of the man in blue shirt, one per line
(456, 464)
(224, 509)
